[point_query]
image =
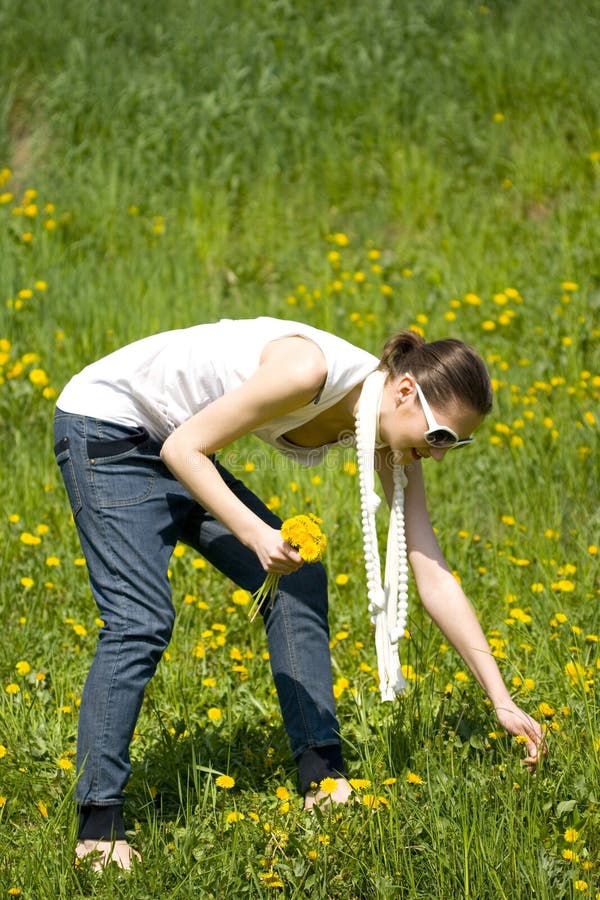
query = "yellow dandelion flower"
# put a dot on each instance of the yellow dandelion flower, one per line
(241, 597)
(565, 585)
(282, 793)
(341, 579)
(27, 582)
(225, 781)
(328, 785)
(42, 808)
(341, 239)
(234, 817)
(3, 751)
(413, 778)
(12, 688)
(52, 561)
(521, 616)
(65, 764)
(214, 714)
(38, 377)
(580, 885)
(29, 539)
(272, 879)
(575, 671)
(23, 667)
(360, 784)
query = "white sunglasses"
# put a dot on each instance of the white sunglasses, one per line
(437, 435)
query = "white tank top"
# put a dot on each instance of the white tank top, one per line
(162, 380)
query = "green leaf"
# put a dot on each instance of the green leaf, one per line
(565, 806)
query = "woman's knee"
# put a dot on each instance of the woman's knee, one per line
(151, 630)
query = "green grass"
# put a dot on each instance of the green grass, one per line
(200, 160)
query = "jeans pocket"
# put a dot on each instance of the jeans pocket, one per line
(108, 448)
(122, 470)
(62, 453)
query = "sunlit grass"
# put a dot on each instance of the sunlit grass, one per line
(363, 168)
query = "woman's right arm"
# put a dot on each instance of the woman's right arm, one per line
(290, 374)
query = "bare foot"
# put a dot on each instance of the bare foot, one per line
(341, 794)
(106, 852)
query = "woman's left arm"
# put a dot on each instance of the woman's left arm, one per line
(448, 606)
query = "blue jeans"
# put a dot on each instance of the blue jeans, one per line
(130, 512)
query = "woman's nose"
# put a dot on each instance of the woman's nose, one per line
(438, 454)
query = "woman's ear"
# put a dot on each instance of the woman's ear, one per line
(404, 388)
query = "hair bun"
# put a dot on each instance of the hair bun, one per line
(399, 346)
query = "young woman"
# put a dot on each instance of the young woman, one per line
(136, 436)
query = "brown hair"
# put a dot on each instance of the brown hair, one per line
(446, 370)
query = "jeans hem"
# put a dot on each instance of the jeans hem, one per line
(314, 745)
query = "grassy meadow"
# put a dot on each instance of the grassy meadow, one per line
(364, 167)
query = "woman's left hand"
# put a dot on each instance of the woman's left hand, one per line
(516, 721)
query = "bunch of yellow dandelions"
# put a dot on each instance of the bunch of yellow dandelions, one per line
(304, 535)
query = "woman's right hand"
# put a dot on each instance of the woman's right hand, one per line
(276, 556)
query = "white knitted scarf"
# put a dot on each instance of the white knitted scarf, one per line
(388, 604)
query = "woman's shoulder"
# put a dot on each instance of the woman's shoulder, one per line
(296, 358)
